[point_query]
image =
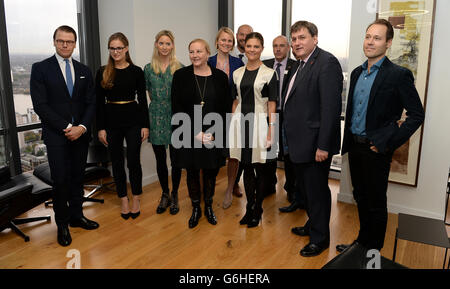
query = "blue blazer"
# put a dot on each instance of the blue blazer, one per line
(53, 103)
(235, 63)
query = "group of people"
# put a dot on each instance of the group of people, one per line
(282, 105)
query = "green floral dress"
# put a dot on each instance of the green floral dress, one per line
(160, 108)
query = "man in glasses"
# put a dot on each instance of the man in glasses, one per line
(63, 95)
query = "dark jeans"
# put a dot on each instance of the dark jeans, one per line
(67, 164)
(162, 170)
(209, 185)
(115, 138)
(369, 173)
(313, 180)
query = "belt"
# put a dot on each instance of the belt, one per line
(360, 139)
(121, 102)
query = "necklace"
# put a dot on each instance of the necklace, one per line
(202, 95)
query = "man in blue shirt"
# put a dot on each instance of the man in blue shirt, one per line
(379, 93)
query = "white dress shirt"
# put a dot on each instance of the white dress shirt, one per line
(281, 76)
(235, 52)
(62, 65)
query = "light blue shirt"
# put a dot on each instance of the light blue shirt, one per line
(361, 96)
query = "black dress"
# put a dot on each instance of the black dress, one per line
(186, 98)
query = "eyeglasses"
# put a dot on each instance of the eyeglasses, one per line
(114, 49)
(67, 42)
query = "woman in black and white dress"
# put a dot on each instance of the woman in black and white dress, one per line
(251, 137)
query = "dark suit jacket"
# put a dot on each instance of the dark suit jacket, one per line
(313, 108)
(235, 63)
(52, 101)
(392, 91)
(290, 62)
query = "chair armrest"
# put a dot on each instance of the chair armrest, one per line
(15, 189)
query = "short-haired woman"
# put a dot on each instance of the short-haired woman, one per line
(204, 90)
(228, 64)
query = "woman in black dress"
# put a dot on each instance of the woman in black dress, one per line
(199, 89)
(121, 116)
(255, 93)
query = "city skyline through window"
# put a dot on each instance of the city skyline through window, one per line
(30, 25)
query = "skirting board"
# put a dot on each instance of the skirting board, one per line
(393, 208)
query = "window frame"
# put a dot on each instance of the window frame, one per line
(89, 47)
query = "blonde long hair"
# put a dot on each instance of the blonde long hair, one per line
(109, 73)
(174, 64)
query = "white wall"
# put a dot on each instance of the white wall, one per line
(428, 198)
(140, 21)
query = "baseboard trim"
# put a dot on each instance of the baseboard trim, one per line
(393, 208)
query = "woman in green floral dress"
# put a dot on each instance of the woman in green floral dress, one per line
(158, 78)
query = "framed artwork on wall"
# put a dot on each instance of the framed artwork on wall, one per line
(413, 23)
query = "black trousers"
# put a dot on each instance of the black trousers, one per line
(162, 170)
(209, 185)
(132, 136)
(67, 164)
(369, 174)
(256, 179)
(293, 187)
(313, 180)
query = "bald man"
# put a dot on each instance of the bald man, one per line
(239, 49)
(282, 64)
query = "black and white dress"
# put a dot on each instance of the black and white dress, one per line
(248, 128)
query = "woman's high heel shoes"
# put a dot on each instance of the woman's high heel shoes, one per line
(125, 216)
(135, 215)
(256, 218)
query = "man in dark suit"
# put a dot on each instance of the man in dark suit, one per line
(282, 64)
(63, 95)
(311, 127)
(379, 93)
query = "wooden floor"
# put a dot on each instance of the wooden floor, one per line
(165, 241)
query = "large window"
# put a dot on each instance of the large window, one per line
(30, 25)
(331, 17)
(264, 16)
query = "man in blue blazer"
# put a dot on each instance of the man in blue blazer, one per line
(379, 93)
(63, 95)
(311, 126)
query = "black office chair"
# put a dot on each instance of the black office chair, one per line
(18, 195)
(97, 163)
(96, 170)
